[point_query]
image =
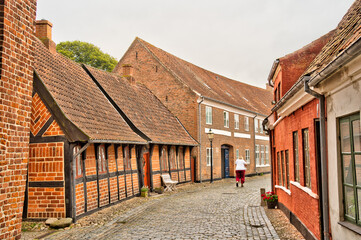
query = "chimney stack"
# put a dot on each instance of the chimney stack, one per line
(43, 32)
(127, 72)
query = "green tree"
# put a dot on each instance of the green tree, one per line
(87, 53)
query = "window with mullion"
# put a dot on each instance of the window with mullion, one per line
(226, 119)
(279, 169)
(283, 169)
(236, 121)
(295, 157)
(287, 169)
(350, 146)
(306, 158)
(257, 155)
(208, 115)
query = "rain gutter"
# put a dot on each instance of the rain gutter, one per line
(345, 57)
(272, 73)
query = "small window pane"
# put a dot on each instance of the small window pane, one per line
(345, 137)
(350, 202)
(356, 135)
(359, 204)
(358, 169)
(347, 169)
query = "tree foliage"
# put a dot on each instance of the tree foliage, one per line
(87, 53)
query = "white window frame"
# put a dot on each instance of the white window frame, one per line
(237, 153)
(236, 121)
(226, 119)
(260, 126)
(248, 155)
(262, 155)
(256, 125)
(209, 115)
(257, 155)
(208, 156)
(267, 156)
(246, 123)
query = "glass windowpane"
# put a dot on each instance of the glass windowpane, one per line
(345, 137)
(350, 202)
(358, 169)
(359, 204)
(356, 132)
(347, 169)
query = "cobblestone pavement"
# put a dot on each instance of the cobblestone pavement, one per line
(209, 211)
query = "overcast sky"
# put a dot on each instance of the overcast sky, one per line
(238, 39)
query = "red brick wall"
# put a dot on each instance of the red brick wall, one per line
(54, 130)
(180, 100)
(39, 115)
(304, 206)
(16, 62)
(46, 164)
(125, 190)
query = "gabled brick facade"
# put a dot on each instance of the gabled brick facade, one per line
(186, 90)
(16, 66)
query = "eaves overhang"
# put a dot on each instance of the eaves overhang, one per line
(346, 56)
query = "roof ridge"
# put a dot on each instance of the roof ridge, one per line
(166, 67)
(206, 70)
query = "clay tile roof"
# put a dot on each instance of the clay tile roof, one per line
(213, 85)
(143, 109)
(79, 99)
(347, 32)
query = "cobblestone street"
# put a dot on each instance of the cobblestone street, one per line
(202, 211)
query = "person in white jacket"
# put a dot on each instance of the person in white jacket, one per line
(240, 170)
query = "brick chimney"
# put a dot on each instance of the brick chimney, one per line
(127, 72)
(43, 32)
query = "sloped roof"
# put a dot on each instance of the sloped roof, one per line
(79, 99)
(213, 85)
(294, 64)
(143, 109)
(347, 32)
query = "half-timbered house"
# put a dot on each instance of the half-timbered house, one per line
(90, 148)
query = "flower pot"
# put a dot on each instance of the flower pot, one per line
(144, 194)
(271, 205)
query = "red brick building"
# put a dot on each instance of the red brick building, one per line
(96, 137)
(17, 20)
(203, 100)
(295, 140)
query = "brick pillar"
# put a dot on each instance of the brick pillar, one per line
(17, 21)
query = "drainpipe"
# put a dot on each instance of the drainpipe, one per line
(199, 137)
(324, 180)
(254, 143)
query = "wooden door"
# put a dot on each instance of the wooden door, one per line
(146, 170)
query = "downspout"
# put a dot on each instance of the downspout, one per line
(199, 137)
(324, 180)
(254, 143)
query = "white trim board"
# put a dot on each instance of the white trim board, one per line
(219, 132)
(227, 108)
(305, 189)
(284, 189)
(258, 137)
(242, 135)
